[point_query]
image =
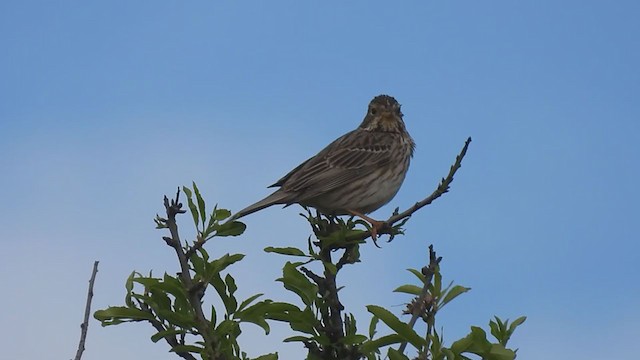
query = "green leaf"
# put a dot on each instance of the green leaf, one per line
(453, 293)
(166, 333)
(231, 304)
(117, 314)
(298, 283)
(322, 339)
(394, 354)
(496, 331)
(210, 224)
(147, 282)
(310, 247)
(354, 339)
(436, 346)
(160, 222)
(499, 352)
(248, 301)
(160, 300)
(231, 284)
(183, 319)
(192, 206)
(299, 320)
(187, 348)
(221, 288)
(199, 264)
(372, 326)
(476, 343)
(221, 214)
(204, 254)
(517, 322)
(500, 331)
(436, 285)
(233, 228)
(129, 286)
(217, 265)
(398, 326)
(214, 315)
(219, 285)
(228, 328)
(418, 274)
(350, 325)
(168, 284)
(409, 289)
(267, 357)
(201, 208)
(333, 270)
(285, 251)
(255, 314)
(297, 338)
(449, 354)
(374, 345)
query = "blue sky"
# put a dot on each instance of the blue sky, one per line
(105, 107)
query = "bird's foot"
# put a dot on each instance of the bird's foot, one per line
(376, 225)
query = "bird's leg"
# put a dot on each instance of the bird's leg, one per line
(375, 224)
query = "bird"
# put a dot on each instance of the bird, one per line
(356, 174)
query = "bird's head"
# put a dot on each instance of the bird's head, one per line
(383, 115)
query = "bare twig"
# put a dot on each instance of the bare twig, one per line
(442, 188)
(84, 327)
(420, 304)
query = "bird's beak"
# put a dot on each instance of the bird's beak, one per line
(389, 116)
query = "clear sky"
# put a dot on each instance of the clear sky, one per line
(107, 106)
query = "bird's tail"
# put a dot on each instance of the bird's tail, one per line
(275, 198)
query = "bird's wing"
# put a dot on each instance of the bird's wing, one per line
(347, 159)
(286, 177)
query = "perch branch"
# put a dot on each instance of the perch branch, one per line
(442, 189)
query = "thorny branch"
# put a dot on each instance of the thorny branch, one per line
(84, 327)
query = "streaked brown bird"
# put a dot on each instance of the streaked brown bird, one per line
(356, 174)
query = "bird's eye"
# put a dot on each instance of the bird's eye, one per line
(373, 111)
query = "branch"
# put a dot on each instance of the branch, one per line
(443, 188)
(84, 327)
(196, 246)
(420, 304)
(173, 208)
(330, 310)
(170, 339)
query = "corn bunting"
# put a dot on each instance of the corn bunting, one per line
(354, 175)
